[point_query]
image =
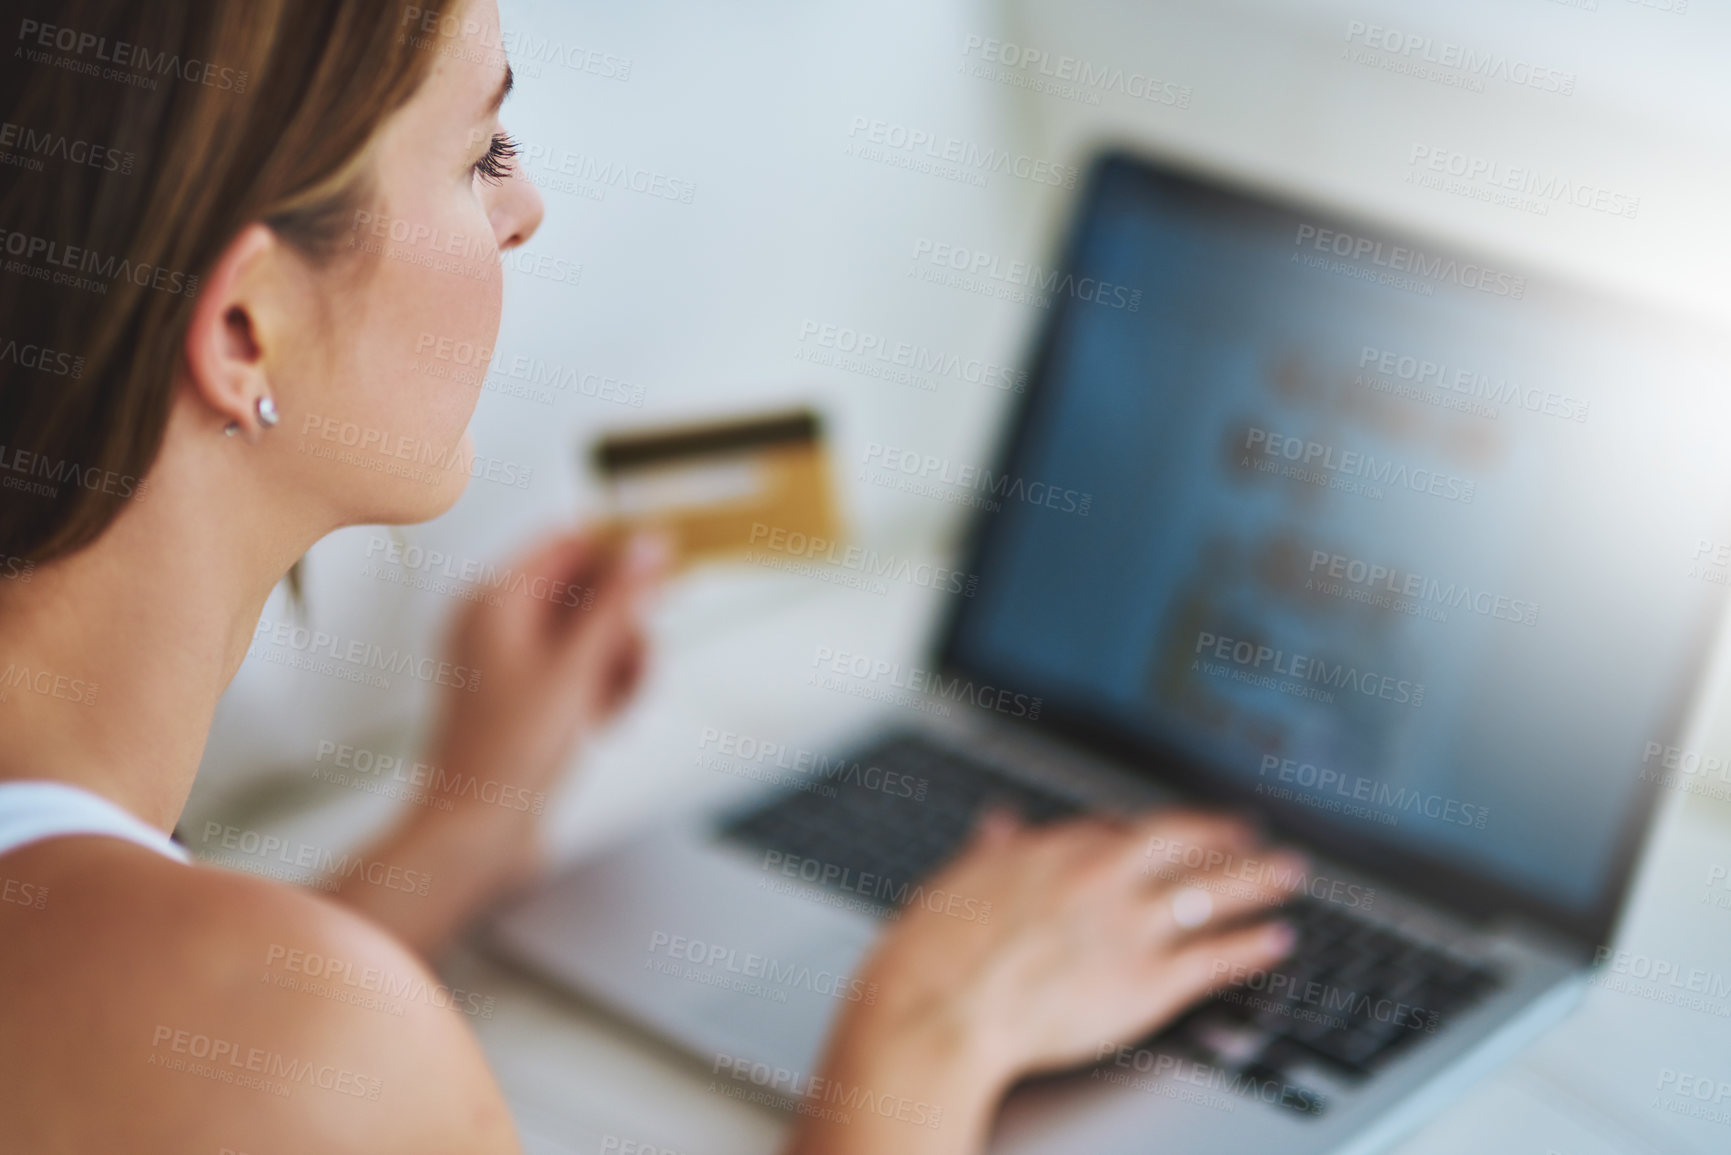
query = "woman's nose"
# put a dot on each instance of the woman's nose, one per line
(519, 210)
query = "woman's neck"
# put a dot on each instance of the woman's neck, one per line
(112, 659)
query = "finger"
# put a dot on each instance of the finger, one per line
(629, 665)
(1178, 831)
(1202, 898)
(569, 555)
(999, 822)
(648, 556)
(637, 568)
(589, 558)
(1165, 843)
(1229, 958)
(995, 828)
(545, 585)
(1172, 844)
(591, 647)
(1100, 840)
(996, 825)
(1215, 963)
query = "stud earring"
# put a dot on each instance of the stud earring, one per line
(231, 429)
(267, 414)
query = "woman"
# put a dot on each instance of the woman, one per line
(232, 221)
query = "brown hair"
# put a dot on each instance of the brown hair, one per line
(139, 137)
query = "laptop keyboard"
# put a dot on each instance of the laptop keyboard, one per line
(902, 830)
(1352, 993)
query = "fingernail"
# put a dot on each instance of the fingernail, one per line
(1281, 936)
(649, 551)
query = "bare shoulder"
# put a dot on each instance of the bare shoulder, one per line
(164, 1008)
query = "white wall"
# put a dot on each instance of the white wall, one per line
(701, 305)
(1276, 102)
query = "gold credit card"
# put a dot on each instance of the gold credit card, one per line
(716, 488)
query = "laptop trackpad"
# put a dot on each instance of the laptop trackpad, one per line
(699, 943)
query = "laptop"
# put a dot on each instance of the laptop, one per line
(1395, 546)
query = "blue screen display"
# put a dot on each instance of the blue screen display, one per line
(1404, 540)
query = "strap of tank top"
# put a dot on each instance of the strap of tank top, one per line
(33, 811)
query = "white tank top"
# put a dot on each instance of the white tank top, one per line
(33, 811)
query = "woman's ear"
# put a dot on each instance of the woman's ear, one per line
(226, 341)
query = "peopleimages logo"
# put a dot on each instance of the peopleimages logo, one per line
(43, 475)
(1663, 973)
(22, 893)
(1690, 1095)
(436, 565)
(860, 351)
(42, 359)
(66, 263)
(979, 479)
(1175, 859)
(340, 980)
(1471, 383)
(895, 676)
(48, 684)
(232, 1062)
(1524, 184)
(867, 563)
(1718, 892)
(271, 849)
(1393, 800)
(524, 48)
(402, 455)
(1390, 587)
(1347, 469)
(516, 374)
(1157, 1067)
(812, 765)
(1683, 760)
(1258, 659)
(968, 157)
(880, 889)
(359, 766)
(592, 173)
(1327, 998)
(361, 655)
(1069, 76)
(817, 1096)
(1422, 56)
(1400, 259)
(92, 51)
(1687, 770)
(1021, 281)
(733, 962)
(33, 144)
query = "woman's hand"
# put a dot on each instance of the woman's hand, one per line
(558, 655)
(1084, 948)
(556, 652)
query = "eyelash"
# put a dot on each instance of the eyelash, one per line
(495, 164)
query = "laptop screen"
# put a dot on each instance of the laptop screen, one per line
(1409, 547)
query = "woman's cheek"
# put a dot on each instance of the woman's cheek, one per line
(450, 410)
(446, 324)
